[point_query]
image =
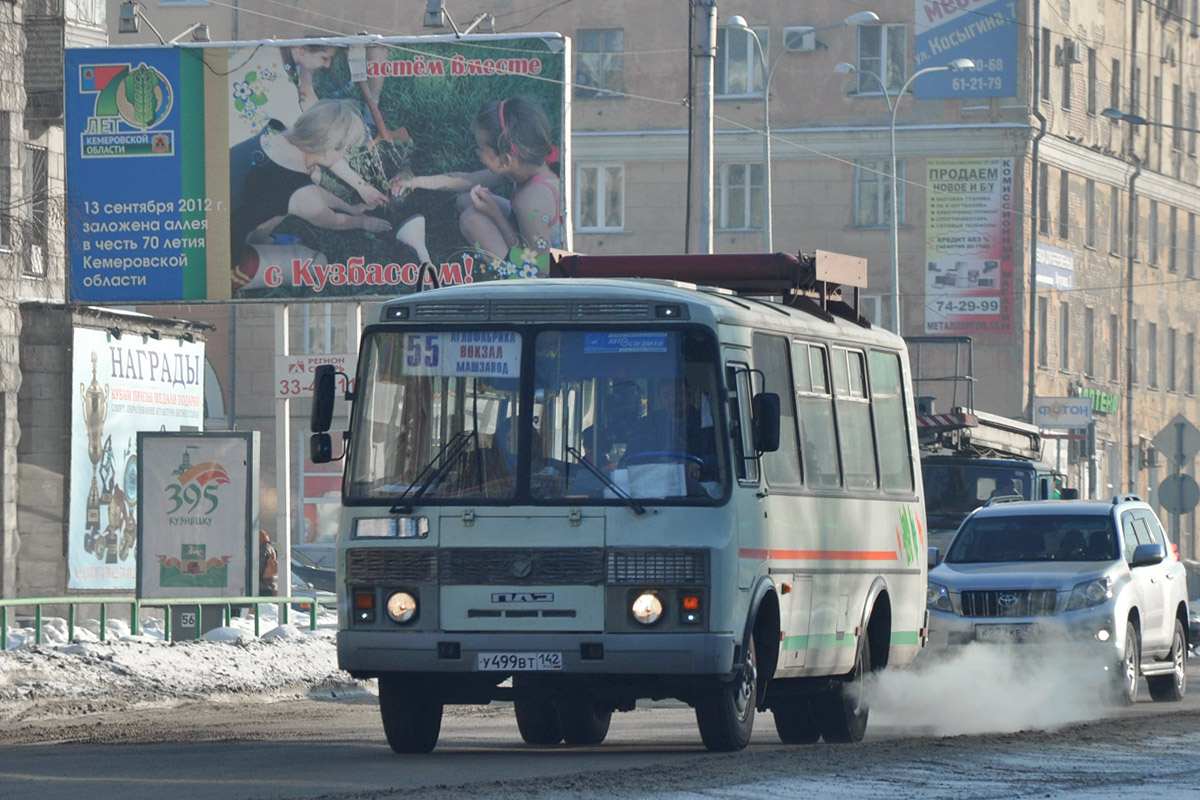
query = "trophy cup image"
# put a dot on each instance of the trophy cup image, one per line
(95, 412)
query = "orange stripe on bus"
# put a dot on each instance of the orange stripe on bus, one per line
(822, 555)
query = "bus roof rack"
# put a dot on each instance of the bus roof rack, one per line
(1126, 498)
(813, 283)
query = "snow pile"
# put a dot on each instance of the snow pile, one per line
(88, 675)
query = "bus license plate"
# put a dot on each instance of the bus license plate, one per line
(519, 662)
(1016, 633)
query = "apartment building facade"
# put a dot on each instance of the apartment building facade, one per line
(1074, 276)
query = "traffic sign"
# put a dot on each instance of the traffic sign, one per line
(1179, 441)
(1178, 494)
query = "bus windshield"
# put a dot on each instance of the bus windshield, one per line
(605, 416)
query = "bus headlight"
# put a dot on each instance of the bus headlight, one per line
(647, 608)
(401, 607)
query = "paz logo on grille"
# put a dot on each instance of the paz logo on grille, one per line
(523, 597)
(521, 567)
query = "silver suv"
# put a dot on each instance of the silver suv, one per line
(1091, 575)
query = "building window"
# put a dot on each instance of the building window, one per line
(37, 192)
(1045, 63)
(1114, 88)
(6, 160)
(1043, 312)
(882, 50)
(1152, 355)
(1133, 349)
(600, 63)
(1067, 74)
(1172, 235)
(1043, 198)
(1152, 243)
(1191, 246)
(742, 198)
(600, 198)
(1172, 385)
(738, 69)
(1192, 120)
(1091, 85)
(1189, 355)
(1064, 336)
(1064, 205)
(1089, 341)
(1177, 117)
(1089, 199)
(1114, 222)
(873, 193)
(1157, 101)
(1114, 347)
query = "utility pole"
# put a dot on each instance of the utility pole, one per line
(705, 20)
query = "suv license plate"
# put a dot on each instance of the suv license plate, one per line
(1015, 633)
(519, 662)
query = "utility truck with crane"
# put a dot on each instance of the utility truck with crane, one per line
(968, 456)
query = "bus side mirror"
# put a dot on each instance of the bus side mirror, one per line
(320, 447)
(766, 422)
(324, 383)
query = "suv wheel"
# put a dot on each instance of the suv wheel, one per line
(1129, 669)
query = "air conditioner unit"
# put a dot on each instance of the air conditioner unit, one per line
(800, 39)
(1070, 52)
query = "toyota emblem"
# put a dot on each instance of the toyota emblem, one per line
(1007, 599)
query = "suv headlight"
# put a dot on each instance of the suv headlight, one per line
(1090, 593)
(938, 596)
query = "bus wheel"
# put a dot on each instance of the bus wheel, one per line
(412, 715)
(582, 722)
(794, 720)
(841, 712)
(537, 717)
(726, 716)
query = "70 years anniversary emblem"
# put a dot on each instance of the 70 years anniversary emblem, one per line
(130, 103)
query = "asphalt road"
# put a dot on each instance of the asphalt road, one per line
(334, 748)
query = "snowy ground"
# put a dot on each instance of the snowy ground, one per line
(89, 675)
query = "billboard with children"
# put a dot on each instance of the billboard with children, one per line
(313, 168)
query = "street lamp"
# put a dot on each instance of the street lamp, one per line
(738, 22)
(893, 107)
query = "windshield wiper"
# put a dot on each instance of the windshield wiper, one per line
(435, 470)
(607, 481)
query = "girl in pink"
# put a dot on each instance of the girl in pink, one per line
(513, 142)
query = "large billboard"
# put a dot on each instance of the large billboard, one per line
(125, 384)
(984, 31)
(314, 168)
(969, 245)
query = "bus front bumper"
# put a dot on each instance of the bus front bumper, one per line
(373, 652)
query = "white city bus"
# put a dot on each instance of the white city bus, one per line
(523, 520)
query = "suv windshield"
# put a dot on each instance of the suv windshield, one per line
(1050, 537)
(604, 416)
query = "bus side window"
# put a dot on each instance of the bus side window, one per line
(737, 378)
(819, 450)
(854, 419)
(891, 423)
(781, 467)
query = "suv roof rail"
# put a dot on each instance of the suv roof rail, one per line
(1004, 498)
(1126, 498)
